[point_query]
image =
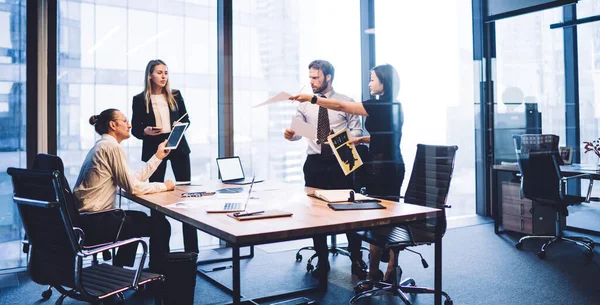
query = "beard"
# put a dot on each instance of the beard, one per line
(320, 88)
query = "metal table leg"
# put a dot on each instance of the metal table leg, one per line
(438, 264)
(237, 293)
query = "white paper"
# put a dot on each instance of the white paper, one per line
(303, 129)
(281, 96)
(187, 204)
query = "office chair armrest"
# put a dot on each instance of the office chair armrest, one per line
(138, 272)
(114, 211)
(81, 238)
(580, 176)
(100, 249)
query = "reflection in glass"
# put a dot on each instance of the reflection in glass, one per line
(588, 47)
(103, 49)
(12, 126)
(273, 43)
(435, 65)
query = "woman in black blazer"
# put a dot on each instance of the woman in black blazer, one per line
(158, 106)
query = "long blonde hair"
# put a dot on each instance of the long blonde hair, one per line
(148, 86)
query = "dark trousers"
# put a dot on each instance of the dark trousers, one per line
(324, 172)
(103, 228)
(180, 163)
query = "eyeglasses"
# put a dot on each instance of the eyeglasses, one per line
(124, 120)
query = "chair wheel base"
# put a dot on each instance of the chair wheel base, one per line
(47, 293)
(363, 286)
(310, 267)
(298, 257)
(448, 302)
(541, 254)
(519, 245)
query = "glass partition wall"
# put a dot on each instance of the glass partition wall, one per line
(12, 126)
(103, 49)
(588, 46)
(530, 83)
(273, 43)
(435, 66)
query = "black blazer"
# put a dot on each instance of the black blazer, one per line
(141, 120)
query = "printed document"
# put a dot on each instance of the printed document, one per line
(281, 96)
(303, 129)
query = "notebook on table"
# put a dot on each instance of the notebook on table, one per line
(233, 206)
(232, 172)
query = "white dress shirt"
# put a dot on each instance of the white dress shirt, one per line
(104, 170)
(338, 120)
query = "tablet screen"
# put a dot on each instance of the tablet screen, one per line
(176, 135)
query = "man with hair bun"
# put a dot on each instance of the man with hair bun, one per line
(104, 170)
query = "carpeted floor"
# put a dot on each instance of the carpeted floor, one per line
(479, 268)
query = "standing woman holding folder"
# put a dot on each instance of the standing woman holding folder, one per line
(155, 111)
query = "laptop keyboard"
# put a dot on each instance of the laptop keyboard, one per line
(232, 206)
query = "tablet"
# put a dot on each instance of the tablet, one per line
(176, 135)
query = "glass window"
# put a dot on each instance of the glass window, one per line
(530, 86)
(588, 47)
(12, 126)
(588, 37)
(272, 46)
(103, 50)
(435, 65)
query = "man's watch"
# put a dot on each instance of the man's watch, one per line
(313, 100)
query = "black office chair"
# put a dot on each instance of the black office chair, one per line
(543, 183)
(57, 247)
(50, 163)
(428, 186)
(333, 249)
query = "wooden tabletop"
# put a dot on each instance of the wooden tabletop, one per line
(566, 170)
(310, 216)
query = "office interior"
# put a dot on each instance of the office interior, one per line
(473, 73)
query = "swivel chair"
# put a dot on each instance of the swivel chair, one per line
(543, 183)
(50, 163)
(334, 249)
(57, 246)
(428, 186)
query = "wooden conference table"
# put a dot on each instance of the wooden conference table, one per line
(310, 217)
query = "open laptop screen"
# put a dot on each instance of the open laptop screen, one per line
(230, 168)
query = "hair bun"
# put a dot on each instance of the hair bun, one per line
(93, 119)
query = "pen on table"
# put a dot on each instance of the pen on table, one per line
(221, 268)
(249, 214)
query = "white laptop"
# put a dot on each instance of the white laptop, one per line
(232, 172)
(233, 206)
